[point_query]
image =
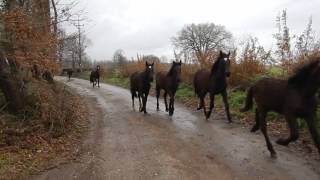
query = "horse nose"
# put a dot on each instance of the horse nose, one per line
(228, 74)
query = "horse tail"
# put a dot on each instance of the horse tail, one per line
(91, 78)
(133, 93)
(249, 101)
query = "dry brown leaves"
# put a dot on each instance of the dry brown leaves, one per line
(31, 146)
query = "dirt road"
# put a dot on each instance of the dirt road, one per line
(124, 144)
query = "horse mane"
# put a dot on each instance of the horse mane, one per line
(215, 66)
(302, 73)
(170, 72)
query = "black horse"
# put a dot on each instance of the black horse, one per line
(140, 83)
(213, 82)
(69, 72)
(294, 98)
(169, 82)
(95, 77)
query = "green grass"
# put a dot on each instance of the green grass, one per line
(185, 91)
(117, 80)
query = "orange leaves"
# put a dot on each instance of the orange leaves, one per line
(29, 42)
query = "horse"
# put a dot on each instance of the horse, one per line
(95, 77)
(294, 97)
(169, 82)
(213, 82)
(69, 72)
(140, 86)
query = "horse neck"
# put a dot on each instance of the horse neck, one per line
(310, 88)
(146, 76)
(173, 75)
(218, 76)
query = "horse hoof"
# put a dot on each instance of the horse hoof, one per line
(199, 108)
(254, 129)
(167, 110)
(282, 142)
(274, 155)
(158, 109)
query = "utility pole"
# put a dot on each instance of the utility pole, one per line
(79, 26)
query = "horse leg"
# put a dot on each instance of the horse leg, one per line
(204, 106)
(263, 128)
(98, 82)
(171, 104)
(294, 131)
(132, 96)
(165, 100)
(313, 131)
(211, 106)
(140, 106)
(226, 105)
(201, 104)
(145, 103)
(257, 125)
(158, 95)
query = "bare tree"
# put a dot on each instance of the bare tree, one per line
(151, 58)
(306, 42)
(203, 40)
(283, 41)
(70, 50)
(119, 57)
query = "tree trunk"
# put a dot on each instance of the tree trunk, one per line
(11, 85)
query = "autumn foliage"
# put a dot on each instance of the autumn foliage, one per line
(28, 42)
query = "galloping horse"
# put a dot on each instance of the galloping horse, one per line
(95, 77)
(140, 83)
(294, 98)
(213, 82)
(169, 82)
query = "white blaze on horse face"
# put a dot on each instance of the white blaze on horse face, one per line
(149, 67)
(225, 59)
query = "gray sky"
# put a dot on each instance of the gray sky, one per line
(146, 26)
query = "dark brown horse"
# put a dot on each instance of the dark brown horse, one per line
(213, 82)
(169, 82)
(95, 77)
(140, 86)
(294, 98)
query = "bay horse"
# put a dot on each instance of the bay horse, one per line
(95, 77)
(294, 98)
(169, 82)
(213, 82)
(140, 84)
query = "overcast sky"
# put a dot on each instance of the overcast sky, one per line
(146, 26)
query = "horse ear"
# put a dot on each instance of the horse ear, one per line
(146, 63)
(152, 64)
(221, 53)
(229, 53)
(180, 62)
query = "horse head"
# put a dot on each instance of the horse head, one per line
(175, 70)
(222, 65)
(149, 71)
